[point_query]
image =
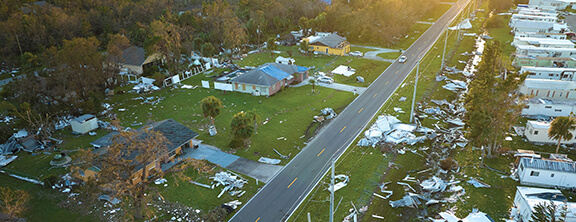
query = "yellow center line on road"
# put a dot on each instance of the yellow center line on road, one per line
(257, 219)
(374, 95)
(360, 110)
(292, 182)
(386, 83)
(343, 129)
(321, 152)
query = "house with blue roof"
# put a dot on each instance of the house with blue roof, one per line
(269, 78)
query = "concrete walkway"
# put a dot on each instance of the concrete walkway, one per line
(260, 171)
(338, 86)
(374, 54)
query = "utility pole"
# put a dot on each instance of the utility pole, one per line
(415, 87)
(332, 194)
(444, 52)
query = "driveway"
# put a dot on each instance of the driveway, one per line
(260, 171)
(374, 54)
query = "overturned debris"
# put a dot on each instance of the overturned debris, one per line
(229, 181)
(340, 184)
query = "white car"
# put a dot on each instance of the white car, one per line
(402, 59)
(356, 53)
(325, 79)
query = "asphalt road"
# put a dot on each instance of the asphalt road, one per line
(277, 200)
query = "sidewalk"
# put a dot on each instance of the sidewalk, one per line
(338, 86)
(260, 171)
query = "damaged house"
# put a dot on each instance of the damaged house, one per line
(331, 44)
(177, 135)
(553, 172)
(527, 198)
(536, 107)
(551, 73)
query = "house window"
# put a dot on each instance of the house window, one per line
(557, 110)
(535, 132)
(550, 74)
(526, 107)
(534, 173)
(551, 175)
(548, 107)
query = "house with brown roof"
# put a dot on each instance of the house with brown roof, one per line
(331, 44)
(269, 78)
(177, 135)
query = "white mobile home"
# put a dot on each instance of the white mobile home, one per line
(544, 107)
(540, 35)
(551, 73)
(533, 11)
(542, 42)
(537, 26)
(547, 172)
(556, 4)
(549, 89)
(528, 197)
(84, 123)
(523, 17)
(534, 51)
(537, 132)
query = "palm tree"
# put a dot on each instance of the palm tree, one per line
(313, 81)
(241, 128)
(560, 129)
(549, 212)
(211, 107)
(271, 45)
(254, 118)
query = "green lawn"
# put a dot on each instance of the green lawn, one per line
(390, 55)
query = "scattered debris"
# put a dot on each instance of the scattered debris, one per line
(340, 184)
(201, 184)
(268, 160)
(409, 200)
(434, 184)
(160, 181)
(5, 160)
(474, 216)
(477, 183)
(229, 181)
(283, 156)
(328, 112)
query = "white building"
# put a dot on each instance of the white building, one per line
(537, 132)
(542, 42)
(556, 4)
(528, 197)
(551, 73)
(538, 12)
(540, 35)
(539, 27)
(84, 123)
(549, 89)
(550, 108)
(534, 51)
(523, 17)
(547, 172)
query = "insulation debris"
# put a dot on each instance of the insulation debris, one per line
(228, 181)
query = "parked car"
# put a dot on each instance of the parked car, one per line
(402, 59)
(325, 79)
(356, 53)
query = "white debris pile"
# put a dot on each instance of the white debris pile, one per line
(343, 182)
(389, 129)
(62, 122)
(231, 183)
(434, 184)
(455, 85)
(5, 160)
(233, 204)
(474, 216)
(269, 160)
(409, 200)
(160, 181)
(328, 112)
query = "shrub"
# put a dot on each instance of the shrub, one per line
(448, 164)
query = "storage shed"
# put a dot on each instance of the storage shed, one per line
(84, 124)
